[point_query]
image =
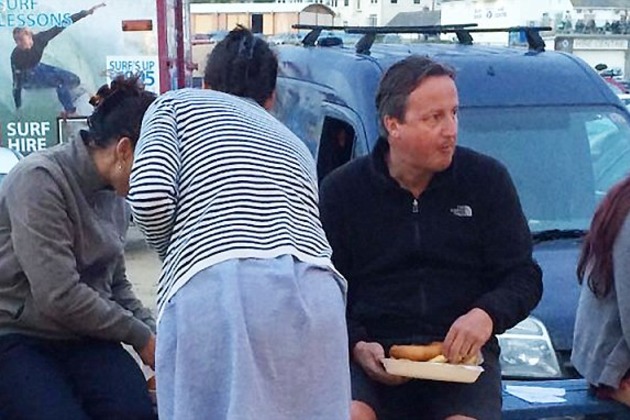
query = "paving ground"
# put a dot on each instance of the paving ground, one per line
(143, 267)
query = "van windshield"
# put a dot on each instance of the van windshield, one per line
(563, 160)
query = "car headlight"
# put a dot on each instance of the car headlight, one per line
(527, 352)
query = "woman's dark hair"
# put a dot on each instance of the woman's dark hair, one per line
(596, 260)
(400, 81)
(118, 111)
(243, 65)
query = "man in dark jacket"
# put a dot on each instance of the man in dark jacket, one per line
(30, 73)
(434, 244)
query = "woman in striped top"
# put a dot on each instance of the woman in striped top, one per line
(250, 309)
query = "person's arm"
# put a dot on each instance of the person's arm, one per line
(42, 237)
(44, 37)
(122, 292)
(515, 278)
(363, 351)
(153, 184)
(332, 216)
(621, 273)
(17, 85)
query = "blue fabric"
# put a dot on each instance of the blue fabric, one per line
(63, 81)
(254, 339)
(56, 379)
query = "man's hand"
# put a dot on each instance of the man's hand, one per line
(93, 8)
(467, 335)
(19, 114)
(147, 353)
(368, 356)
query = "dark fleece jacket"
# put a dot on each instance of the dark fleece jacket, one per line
(414, 265)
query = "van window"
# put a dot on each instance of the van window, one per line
(335, 148)
(563, 160)
(299, 107)
(609, 139)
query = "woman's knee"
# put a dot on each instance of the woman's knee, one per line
(622, 395)
(361, 411)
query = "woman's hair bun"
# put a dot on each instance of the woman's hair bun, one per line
(119, 86)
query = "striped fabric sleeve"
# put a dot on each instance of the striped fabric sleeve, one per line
(153, 182)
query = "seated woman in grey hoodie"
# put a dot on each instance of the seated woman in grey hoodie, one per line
(65, 302)
(601, 343)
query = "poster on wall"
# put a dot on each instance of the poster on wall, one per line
(55, 54)
(145, 66)
(69, 128)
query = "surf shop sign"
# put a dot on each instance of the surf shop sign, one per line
(57, 53)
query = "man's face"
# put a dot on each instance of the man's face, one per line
(24, 41)
(425, 139)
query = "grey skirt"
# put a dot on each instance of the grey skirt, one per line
(255, 339)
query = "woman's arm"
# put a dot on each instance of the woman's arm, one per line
(122, 292)
(153, 184)
(621, 270)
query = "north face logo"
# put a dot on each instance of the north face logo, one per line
(462, 211)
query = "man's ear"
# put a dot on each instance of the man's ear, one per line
(391, 125)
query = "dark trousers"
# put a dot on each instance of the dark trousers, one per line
(72, 380)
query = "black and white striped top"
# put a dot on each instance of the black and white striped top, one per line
(217, 177)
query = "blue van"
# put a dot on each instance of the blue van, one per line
(562, 133)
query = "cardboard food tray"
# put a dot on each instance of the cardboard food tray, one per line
(433, 371)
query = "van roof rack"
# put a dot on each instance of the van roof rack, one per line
(370, 32)
(532, 35)
(462, 31)
(315, 30)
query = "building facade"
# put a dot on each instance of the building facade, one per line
(502, 14)
(264, 18)
(595, 30)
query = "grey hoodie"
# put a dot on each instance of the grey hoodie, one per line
(601, 351)
(62, 270)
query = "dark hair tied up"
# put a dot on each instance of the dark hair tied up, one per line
(118, 111)
(244, 65)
